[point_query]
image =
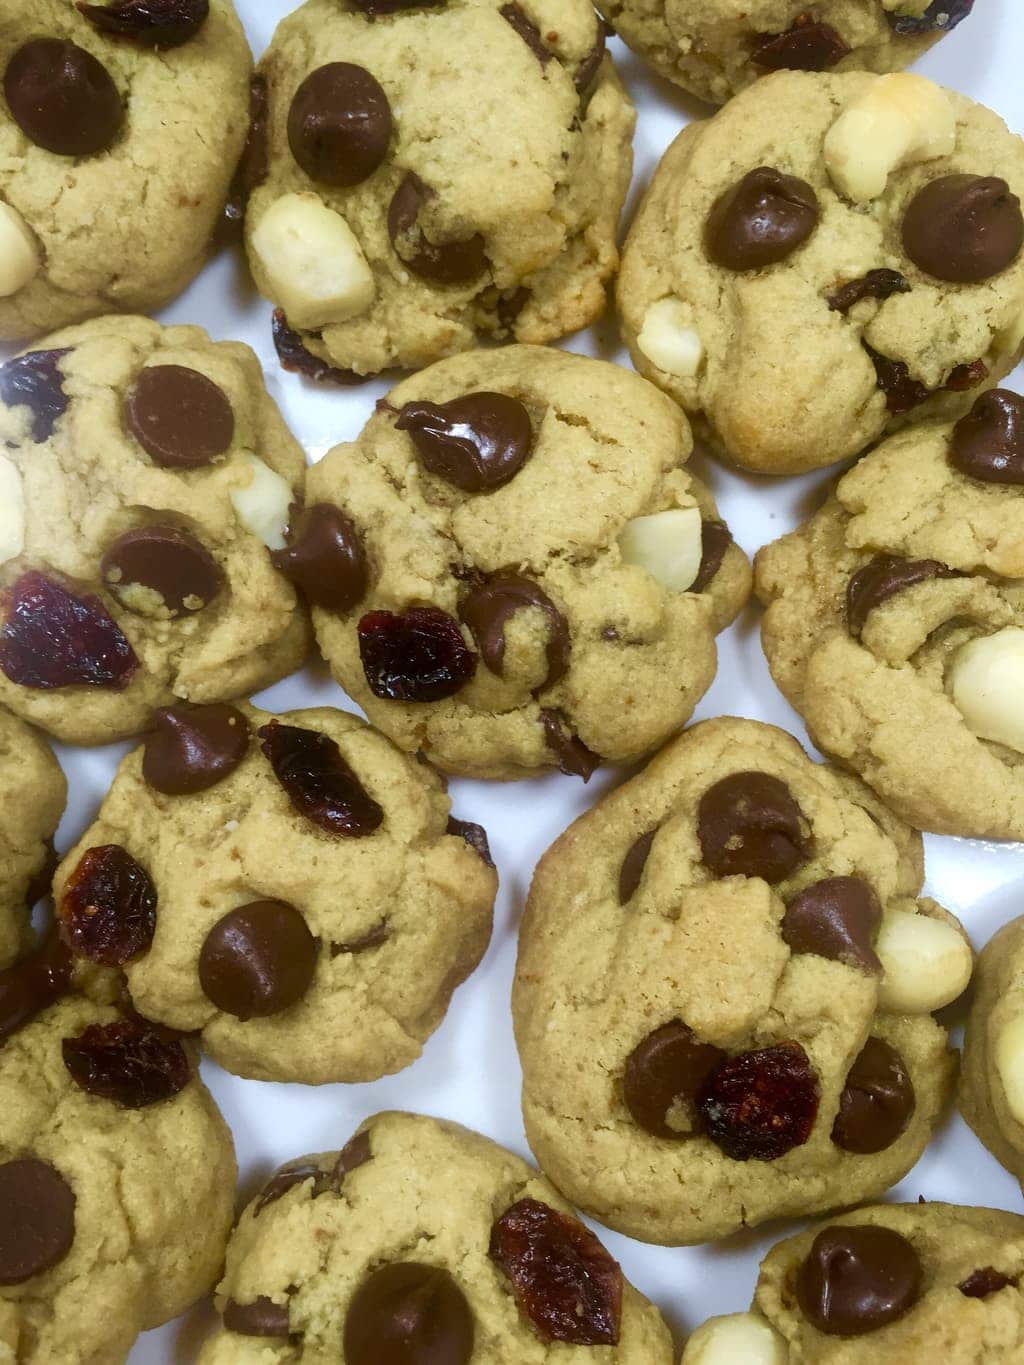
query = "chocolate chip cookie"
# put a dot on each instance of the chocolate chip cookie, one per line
(828, 258)
(291, 887)
(991, 1094)
(422, 1241)
(724, 993)
(32, 794)
(148, 475)
(895, 621)
(436, 173)
(117, 1182)
(120, 127)
(715, 48)
(510, 569)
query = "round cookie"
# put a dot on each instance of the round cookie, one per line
(437, 173)
(991, 1096)
(32, 795)
(828, 258)
(292, 888)
(724, 992)
(98, 116)
(511, 570)
(714, 48)
(430, 1242)
(146, 473)
(895, 621)
(117, 1181)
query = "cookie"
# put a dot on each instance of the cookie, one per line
(32, 795)
(420, 1240)
(146, 473)
(436, 174)
(991, 1096)
(828, 258)
(714, 48)
(724, 992)
(898, 1282)
(510, 569)
(117, 1181)
(289, 887)
(120, 128)
(895, 621)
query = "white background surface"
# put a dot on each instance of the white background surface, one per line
(469, 1071)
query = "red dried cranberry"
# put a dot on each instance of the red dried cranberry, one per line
(129, 1062)
(319, 783)
(417, 656)
(876, 284)
(109, 907)
(902, 393)
(299, 359)
(52, 638)
(153, 23)
(966, 377)
(942, 15)
(35, 381)
(563, 1279)
(760, 1105)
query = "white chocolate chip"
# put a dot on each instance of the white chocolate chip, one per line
(669, 339)
(263, 504)
(987, 684)
(926, 963)
(310, 262)
(668, 545)
(20, 259)
(1009, 1057)
(739, 1339)
(901, 119)
(12, 511)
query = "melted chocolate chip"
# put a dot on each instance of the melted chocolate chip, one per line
(856, 1279)
(62, 98)
(172, 564)
(253, 165)
(55, 638)
(517, 19)
(355, 1153)
(761, 220)
(180, 418)
(633, 865)
(489, 608)
(940, 16)
(988, 444)
(339, 124)
(715, 539)
(664, 1076)
(474, 835)
(325, 558)
(408, 1313)
(373, 938)
(192, 748)
(34, 381)
(876, 284)
(877, 1101)
(749, 825)
(836, 918)
(38, 1224)
(258, 960)
(33, 984)
(478, 442)
(318, 781)
(152, 23)
(452, 262)
(883, 577)
(963, 228)
(981, 1283)
(289, 1175)
(965, 377)
(807, 45)
(261, 1318)
(586, 72)
(572, 755)
(297, 358)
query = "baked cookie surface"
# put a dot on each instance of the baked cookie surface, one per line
(147, 474)
(990, 1095)
(829, 257)
(290, 887)
(430, 1241)
(438, 173)
(724, 992)
(117, 146)
(895, 621)
(534, 579)
(32, 795)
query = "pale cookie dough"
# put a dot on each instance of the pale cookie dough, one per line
(117, 1181)
(115, 158)
(32, 795)
(714, 48)
(534, 578)
(991, 1096)
(895, 618)
(438, 173)
(829, 276)
(150, 476)
(723, 995)
(423, 1241)
(291, 887)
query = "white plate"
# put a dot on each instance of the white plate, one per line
(469, 1070)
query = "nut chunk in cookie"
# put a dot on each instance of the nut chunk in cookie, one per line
(511, 570)
(147, 478)
(991, 1095)
(32, 795)
(117, 1178)
(436, 172)
(423, 1242)
(724, 995)
(895, 621)
(291, 887)
(827, 259)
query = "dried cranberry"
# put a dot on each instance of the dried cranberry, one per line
(979, 1284)
(942, 15)
(52, 638)
(760, 1105)
(299, 359)
(902, 393)
(319, 783)
(109, 906)
(35, 381)
(876, 284)
(966, 377)
(153, 23)
(563, 1279)
(129, 1062)
(417, 656)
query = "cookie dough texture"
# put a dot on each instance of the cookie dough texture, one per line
(154, 1198)
(786, 383)
(882, 704)
(430, 1193)
(127, 229)
(368, 1011)
(90, 481)
(607, 448)
(511, 148)
(989, 1096)
(595, 978)
(32, 795)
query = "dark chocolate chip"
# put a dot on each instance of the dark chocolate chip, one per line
(325, 558)
(715, 539)
(258, 960)
(586, 72)
(408, 1314)
(339, 124)
(963, 228)
(33, 984)
(151, 23)
(180, 418)
(761, 220)
(478, 442)
(474, 835)
(988, 444)
(34, 381)
(836, 918)
(490, 607)
(940, 16)
(981, 1283)
(508, 308)
(858, 1278)
(883, 577)
(633, 865)
(663, 1078)
(877, 1101)
(373, 938)
(289, 1175)
(192, 748)
(261, 1318)
(964, 377)
(876, 284)
(38, 1223)
(297, 358)
(253, 165)
(62, 98)
(371, 8)
(452, 262)
(172, 564)
(355, 1153)
(517, 19)
(318, 781)
(572, 755)
(749, 825)
(807, 45)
